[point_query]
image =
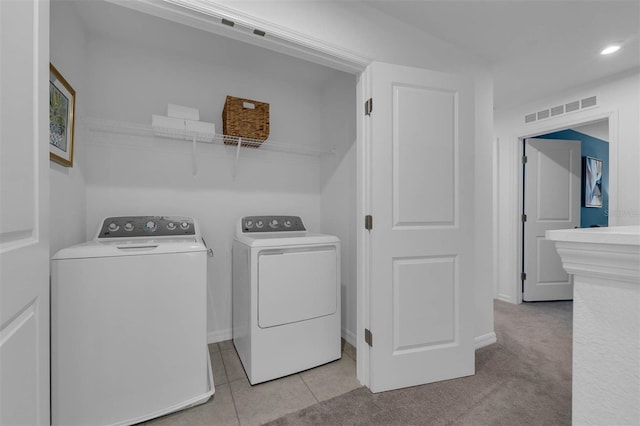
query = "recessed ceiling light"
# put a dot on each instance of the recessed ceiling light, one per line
(610, 49)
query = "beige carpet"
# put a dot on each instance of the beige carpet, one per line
(523, 379)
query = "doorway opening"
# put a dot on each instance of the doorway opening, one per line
(564, 184)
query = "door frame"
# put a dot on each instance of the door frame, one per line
(516, 205)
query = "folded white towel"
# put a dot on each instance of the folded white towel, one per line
(179, 111)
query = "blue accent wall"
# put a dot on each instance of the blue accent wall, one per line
(596, 148)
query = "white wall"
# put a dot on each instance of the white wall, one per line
(619, 102)
(358, 28)
(67, 186)
(339, 190)
(130, 79)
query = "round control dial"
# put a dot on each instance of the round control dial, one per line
(273, 223)
(171, 226)
(287, 223)
(259, 223)
(113, 227)
(128, 226)
(249, 224)
(184, 225)
(150, 226)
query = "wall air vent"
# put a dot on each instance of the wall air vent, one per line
(573, 106)
(555, 111)
(543, 114)
(588, 102)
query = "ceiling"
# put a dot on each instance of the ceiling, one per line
(534, 47)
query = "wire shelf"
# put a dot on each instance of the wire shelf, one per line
(231, 142)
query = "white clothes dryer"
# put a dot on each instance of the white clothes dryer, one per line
(129, 323)
(286, 297)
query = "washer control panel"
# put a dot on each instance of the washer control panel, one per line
(146, 226)
(272, 224)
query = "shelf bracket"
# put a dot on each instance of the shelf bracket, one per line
(194, 166)
(235, 165)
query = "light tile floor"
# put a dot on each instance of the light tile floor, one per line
(236, 402)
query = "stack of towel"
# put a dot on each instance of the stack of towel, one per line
(182, 122)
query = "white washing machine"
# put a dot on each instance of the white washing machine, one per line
(286, 297)
(129, 323)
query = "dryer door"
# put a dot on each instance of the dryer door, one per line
(296, 285)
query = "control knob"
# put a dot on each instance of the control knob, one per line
(273, 223)
(128, 226)
(184, 225)
(171, 226)
(113, 227)
(287, 223)
(150, 226)
(259, 224)
(249, 224)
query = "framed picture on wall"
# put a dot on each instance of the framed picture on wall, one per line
(592, 180)
(62, 106)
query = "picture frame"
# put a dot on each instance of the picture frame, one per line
(62, 106)
(592, 181)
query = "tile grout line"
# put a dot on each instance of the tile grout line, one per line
(305, 383)
(233, 400)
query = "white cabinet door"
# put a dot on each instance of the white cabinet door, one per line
(24, 246)
(421, 245)
(551, 201)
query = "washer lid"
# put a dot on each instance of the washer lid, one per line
(131, 247)
(286, 239)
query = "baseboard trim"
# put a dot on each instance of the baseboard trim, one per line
(222, 335)
(505, 298)
(485, 340)
(350, 337)
(219, 336)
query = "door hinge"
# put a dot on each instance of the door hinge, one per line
(368, 222)
(368, 106)
(524, 159)
(368, 337)
(523, 217)
(523, 276)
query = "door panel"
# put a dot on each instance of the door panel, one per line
(552, 201)
(416, 283)
(421, 245)
(24, 246)
(423, 183)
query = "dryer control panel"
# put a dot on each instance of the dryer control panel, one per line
(272, 224)
(146, 226)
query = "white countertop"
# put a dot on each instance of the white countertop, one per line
(618, 235)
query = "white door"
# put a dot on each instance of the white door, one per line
(24, 246)
(551, 201)
(421, 245)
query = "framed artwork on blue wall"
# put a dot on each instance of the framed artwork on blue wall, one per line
(592, 181)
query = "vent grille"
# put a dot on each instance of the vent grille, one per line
(543, 114)
(555, 111)
(588, 102)
(573, 106)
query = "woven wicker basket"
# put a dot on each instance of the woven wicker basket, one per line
(244, 118)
